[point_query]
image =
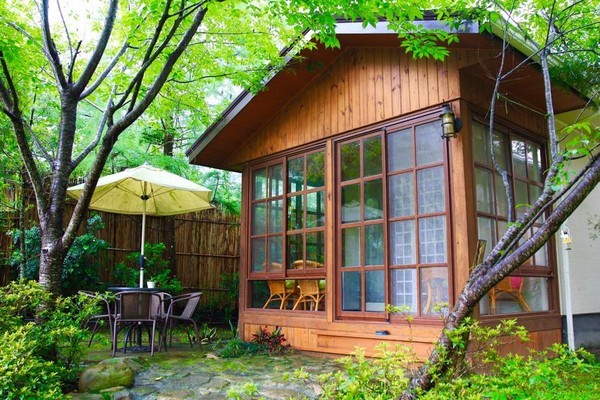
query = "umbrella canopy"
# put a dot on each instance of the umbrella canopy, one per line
(146, 190)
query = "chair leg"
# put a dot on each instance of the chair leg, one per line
(94, 332)
(197, 335)
(163, 336)
(152, 338)
(114, 340)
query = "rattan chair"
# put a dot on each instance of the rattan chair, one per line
(310, 294)
(512, 289)
(186, 316)
(279, 291)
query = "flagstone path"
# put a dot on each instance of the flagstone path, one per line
(191, 374)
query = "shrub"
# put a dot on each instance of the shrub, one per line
(541, 375)
(155, 269)
(271, 342)
(369, 378)
(549, 374)
(39, 359)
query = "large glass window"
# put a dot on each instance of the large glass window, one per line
(287, 224)
(392, 210)
(527, 289)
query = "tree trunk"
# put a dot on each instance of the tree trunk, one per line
(22, 230)
(168, 138)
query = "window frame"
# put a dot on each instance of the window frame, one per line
(418, 267)
(285, 272)
(529, 269)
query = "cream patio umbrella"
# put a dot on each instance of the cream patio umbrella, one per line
(146, 190)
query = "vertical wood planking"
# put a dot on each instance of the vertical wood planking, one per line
(388, 88)
(378, 81)
(364, 86)
(432, 82)
(396, 89)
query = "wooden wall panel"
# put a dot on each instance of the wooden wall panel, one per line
(311, 334)
(364, 86)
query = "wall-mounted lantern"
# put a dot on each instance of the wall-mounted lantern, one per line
(450, 124)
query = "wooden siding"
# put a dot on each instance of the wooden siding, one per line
(363, 87)
(314, 334)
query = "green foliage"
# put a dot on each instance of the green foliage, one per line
(155, 269)
(382, 377)
(249, 391)
(541, 375)
(39, 359)
(208, 334)
(474, 347)
(272, 342)
(236, 347)
(81, 265)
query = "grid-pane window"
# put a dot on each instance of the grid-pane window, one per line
(287, 227)
(393, 221)
(523, 162)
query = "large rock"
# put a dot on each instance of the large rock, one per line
(108, 374)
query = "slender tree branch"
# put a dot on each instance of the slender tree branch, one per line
(10, 96)
(50, 49)
(38, 143)
(90, 89)
(157, 31)
(62, 18)
(72, 63)
(92, 145)
(96, 57)
(503, 172)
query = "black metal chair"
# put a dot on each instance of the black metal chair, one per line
(191, 301)
(108, 308)
(137, 309)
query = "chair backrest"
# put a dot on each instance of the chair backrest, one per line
(105, 303)
(138, 305)
(511, 284)
(276, 287)
(301, 264)
(191, 304)
(308, 286)
(158, 303)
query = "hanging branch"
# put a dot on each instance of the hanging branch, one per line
(503, 172)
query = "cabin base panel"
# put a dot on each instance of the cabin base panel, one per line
(587, 330)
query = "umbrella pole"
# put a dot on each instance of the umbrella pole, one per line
(142, 259)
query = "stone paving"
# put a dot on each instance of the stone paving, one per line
(184, 373)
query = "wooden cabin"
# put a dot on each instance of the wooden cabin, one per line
(352, 200)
